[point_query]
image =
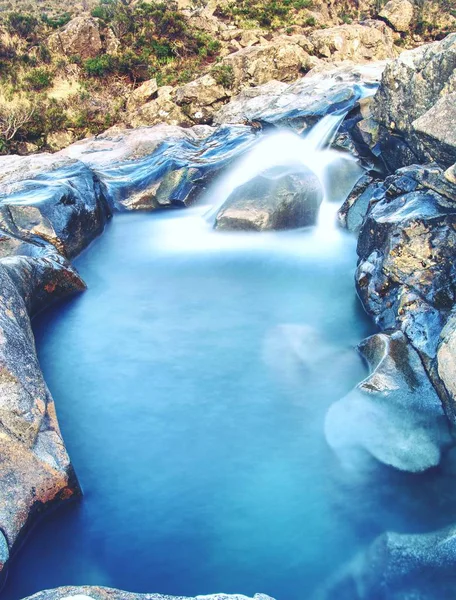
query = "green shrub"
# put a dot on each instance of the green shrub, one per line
(56, 22)
(224, 75)
(99, 66)
(39, 79)
(21, 24)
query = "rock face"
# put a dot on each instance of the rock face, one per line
(80, 37)
(54, 198)
(405, 275)
(399, 14)
(99, 593)
(35, 471)
(397, 403)
(270, 202)
(371, 40)
(413, 113)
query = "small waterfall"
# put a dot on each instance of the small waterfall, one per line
(285, 150)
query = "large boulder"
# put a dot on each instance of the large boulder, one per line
(395, 414)
(412, 118)
(370, 40)
(274, 202)
(399, 14)
(35, 471)
(80, 37)
(99, 593)
(53, 197)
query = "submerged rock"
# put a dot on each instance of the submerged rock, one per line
(400, 566)
(100, 593)
(275, 202)
(35, 470)
(52, 197)
(395, 414)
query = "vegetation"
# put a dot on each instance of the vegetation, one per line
(271, 14)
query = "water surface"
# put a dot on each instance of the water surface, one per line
(192, 381)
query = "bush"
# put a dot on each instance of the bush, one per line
(39, 79)
(223, 75)
(99, 66)
(21, 24)
(56, 23)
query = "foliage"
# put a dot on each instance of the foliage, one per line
(266, 13)
(223, 75)
(39, 79)
(22, 24)
(56, 22)
(15, 113)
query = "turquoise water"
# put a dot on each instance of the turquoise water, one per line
(192, 381)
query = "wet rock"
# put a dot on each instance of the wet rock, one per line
(399, 14)
(272, 202)
(55, 198)
(79, 37)
(161, 166)
(304, 102)
(400, 567)
(99, 593)
(395, 414)
(352, 212)
(35, 471)
(370, 40)
(446, 359)
(413, 117)
(406, 277)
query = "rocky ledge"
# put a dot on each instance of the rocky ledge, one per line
(99, 593)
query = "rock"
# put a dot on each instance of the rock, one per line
(197, 97)
(436, 129)
(79, 37)
(405, 276)
(352, 212)
(303, 103)
(399, 14)
(59, 140)
(256, 65)
(99, 593)
(35, 471)
(395, 414)
(160, 166)
(371, 40)
(57, 199)
(142, 94)
(163, 109)
(410, 108)
(400, 566)
(446, 361)
(270, 202)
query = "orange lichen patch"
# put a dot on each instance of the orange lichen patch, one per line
(50, 287)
